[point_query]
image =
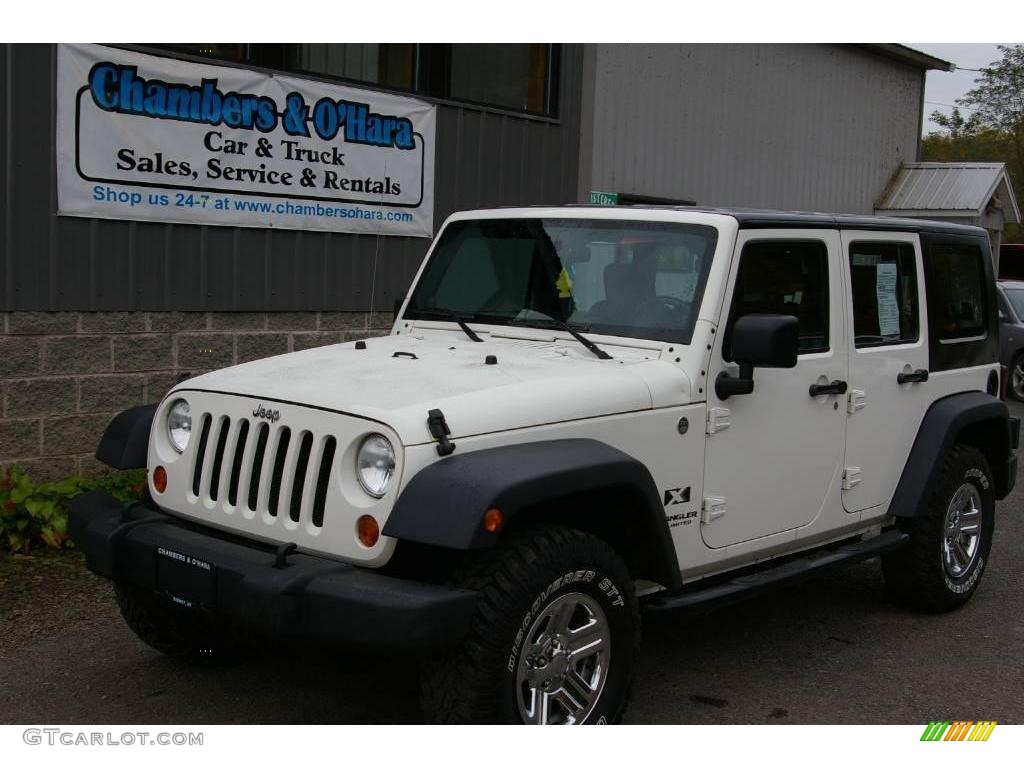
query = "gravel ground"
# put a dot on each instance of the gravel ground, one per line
(45, 594)
(830, 651)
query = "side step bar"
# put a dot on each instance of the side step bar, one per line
(789, 572)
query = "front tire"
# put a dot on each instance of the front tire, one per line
(554, 639)
(1015, 386)
(942, 565)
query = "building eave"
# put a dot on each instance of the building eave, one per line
(908, 55)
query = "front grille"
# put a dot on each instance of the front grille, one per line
(257, 464)
(263, 468)
(284, 436)
(197, 472)
(326, 462)
(236, 465)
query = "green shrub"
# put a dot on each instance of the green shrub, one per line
(33, 515)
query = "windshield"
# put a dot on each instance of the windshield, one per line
(622, 278)
(1016, 297)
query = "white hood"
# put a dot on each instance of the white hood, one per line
(533, 382)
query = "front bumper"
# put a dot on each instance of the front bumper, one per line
(309, 598)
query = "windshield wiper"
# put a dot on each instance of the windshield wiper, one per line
(561, 324)
(455, 318)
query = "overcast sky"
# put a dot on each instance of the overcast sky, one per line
(943, 88)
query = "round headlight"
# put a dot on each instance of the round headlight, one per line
(179, 424)
(375, 464)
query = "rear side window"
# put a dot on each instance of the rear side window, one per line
(963, 326)
(784, 277)
(883, 278)
(957, 291)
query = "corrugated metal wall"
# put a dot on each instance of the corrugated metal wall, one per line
(483, 158)
(810, 127)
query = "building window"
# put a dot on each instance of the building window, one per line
(519, 77)
(386, 64)
(884, 281)
(511, 76)
(237, 52)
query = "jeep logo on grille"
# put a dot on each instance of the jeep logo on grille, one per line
(265, 413)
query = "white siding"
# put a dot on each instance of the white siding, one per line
(799, 127)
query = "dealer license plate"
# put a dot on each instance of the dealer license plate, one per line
(187, 580)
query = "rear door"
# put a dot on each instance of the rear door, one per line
(888, 349)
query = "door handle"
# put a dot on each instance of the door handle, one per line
(915, 377)
(836, 387)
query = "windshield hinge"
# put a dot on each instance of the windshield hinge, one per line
(439, 431)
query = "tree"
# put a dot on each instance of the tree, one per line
(955, 123)
(994, 131)
(998, 98)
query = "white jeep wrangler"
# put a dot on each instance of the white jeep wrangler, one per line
(579, 412)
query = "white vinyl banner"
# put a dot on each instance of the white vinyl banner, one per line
(159, 139)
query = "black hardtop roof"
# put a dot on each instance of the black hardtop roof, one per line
(754, 218)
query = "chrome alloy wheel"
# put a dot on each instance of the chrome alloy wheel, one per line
(564, 662)
(962, 531)
(1017, 378)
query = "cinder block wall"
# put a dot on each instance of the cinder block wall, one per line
(64, 375)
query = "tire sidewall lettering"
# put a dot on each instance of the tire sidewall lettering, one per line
(584, 577)
(977, 477)
(966, 584)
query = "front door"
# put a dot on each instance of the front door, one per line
(888, 363)
(774, 457)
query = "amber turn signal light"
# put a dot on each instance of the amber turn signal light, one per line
(367, 530)
(493, 520)
(160, 479)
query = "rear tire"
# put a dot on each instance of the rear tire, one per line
(176, 632)
(554, 639)
(942, 565)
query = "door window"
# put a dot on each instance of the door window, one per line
(883, 279)
(784, 277)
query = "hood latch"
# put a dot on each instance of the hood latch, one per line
(439, 431)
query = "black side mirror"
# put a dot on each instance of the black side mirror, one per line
(765, 341)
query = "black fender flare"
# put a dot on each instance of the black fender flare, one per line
(444, 504)
(125, 442)
(974, 417)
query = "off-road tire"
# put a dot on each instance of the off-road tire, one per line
(530, 570)
(915, 575)
(177, 632)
